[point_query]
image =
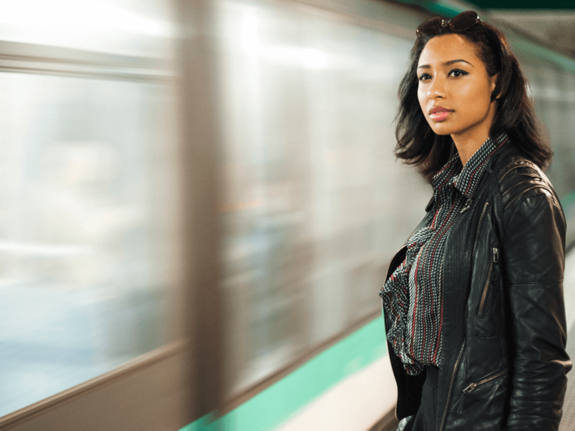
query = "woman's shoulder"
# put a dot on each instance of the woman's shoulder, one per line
(519, 178)
(529, 207)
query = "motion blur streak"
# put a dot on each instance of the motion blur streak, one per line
(214, 177)
(143, 28)
(309, 182)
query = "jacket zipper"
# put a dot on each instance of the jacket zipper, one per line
(495, 259)
(455, 367)
(473, 386)
(479, 226)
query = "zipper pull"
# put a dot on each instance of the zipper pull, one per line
(470, 388)
(466, 206)
(495, 255)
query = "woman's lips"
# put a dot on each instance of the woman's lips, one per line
(440, 115)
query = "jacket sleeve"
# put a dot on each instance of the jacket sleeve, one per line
(533, 254)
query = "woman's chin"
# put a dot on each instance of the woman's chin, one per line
(441, 129)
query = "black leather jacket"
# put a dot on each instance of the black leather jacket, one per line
(503, 363)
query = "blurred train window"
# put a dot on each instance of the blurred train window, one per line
(84, 222)
(310, 212)
(130, 27)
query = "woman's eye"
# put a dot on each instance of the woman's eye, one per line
(458, 72)
(424, 77)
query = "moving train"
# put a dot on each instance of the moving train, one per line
(198, 205)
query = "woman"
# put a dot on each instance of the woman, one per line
(473, 303)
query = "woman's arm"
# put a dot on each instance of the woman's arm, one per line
(534, 259)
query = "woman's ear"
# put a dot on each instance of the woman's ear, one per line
(495, 90)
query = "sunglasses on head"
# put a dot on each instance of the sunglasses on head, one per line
(460, 23)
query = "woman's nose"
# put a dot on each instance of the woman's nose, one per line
(436, 89)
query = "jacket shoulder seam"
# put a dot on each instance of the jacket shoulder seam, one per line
(520, 199)
(513, 185)
(537, 190)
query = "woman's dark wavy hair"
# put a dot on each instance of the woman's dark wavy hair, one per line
(418, 145)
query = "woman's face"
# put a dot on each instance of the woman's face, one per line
(454, 89)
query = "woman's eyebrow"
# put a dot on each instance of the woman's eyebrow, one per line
(447, 63)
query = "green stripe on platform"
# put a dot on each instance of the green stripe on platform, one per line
(273, 406)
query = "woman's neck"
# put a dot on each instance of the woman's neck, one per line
(467, 147)
(468, 141)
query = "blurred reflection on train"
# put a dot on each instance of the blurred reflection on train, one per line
(85, 196)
